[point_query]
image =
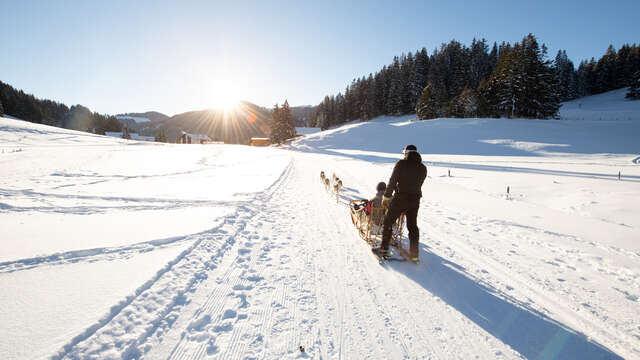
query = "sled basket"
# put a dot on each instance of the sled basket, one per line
(368, 219)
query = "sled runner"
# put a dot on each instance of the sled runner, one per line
(368, 220)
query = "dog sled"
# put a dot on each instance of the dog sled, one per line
(368, 220)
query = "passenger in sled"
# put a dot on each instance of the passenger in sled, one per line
(368, 215)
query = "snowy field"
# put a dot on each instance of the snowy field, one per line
(122, 249)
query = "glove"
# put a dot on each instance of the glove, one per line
(385, 201)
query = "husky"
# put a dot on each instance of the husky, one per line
(327, 184)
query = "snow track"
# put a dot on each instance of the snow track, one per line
(156, 302)
(98, 254)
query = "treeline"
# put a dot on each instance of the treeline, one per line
(27, 107)
(460, 81)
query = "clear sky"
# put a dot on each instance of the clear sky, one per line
(174, 56)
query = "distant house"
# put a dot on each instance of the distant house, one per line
(256, 141)
(186, 138)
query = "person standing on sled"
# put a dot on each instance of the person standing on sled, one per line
(405, 185)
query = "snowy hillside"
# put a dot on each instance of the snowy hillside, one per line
(609, 106)
(122, 249)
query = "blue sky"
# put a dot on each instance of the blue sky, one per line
(176, 56)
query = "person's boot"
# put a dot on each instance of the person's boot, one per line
(413, 251)
(383, 252)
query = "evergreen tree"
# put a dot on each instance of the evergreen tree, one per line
(394, 97)
(288, 123)
(276, 130)
(467, 103)
(368, 107)
(379, 102)
(524, 84)
(282, 125)
(566, 76)
(493, 57)
(1, 109)
(606, 71)
(417, 79)
(429, 105)
(407, 65)
(634, 89)
(480, 66)
(581, 80)
(501, 90)
(485, 99)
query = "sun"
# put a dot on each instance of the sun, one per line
(226, 95)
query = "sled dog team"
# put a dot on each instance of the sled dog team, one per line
(334, 185)
(400, 196)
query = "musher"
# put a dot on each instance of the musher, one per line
(405, 185)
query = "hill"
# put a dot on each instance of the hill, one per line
(236, 126)
(604, 123)
(152, 116)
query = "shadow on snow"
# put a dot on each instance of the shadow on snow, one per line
(527, 331)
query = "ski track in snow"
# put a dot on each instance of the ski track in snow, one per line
(473, 235)
(97, 254)
(156, 304)
(145, 203)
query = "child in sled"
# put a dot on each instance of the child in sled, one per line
(364, 211)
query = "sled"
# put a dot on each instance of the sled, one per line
(368, 220)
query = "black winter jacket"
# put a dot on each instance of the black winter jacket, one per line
(407, 178)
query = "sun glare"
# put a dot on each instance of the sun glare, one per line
(226, 95)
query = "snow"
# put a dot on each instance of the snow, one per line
(609, 106)
(306, 130)
(133, 136)
(198, 136)
(117, 248)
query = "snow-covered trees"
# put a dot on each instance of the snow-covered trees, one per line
(508, 80)
(466, 105)
(282, 125)
(524, 84)
(567, 78)
(428, 106)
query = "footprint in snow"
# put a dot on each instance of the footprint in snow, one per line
(229, 314)
(242, 287)
(223, 328)
(200, 323)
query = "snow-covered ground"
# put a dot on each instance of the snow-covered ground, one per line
(122, 249)
(306, 130)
